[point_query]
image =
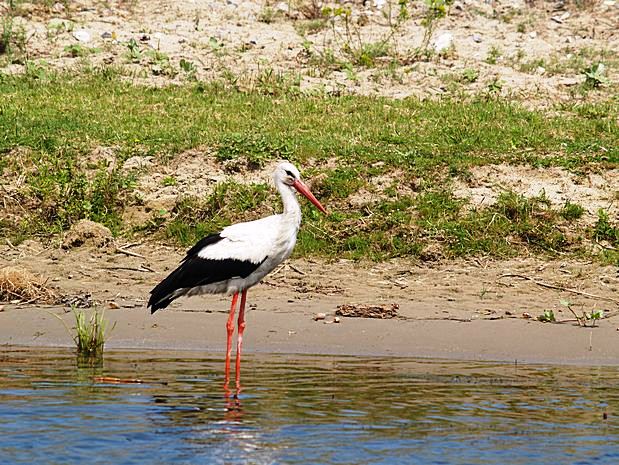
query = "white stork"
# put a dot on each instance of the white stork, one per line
(238, 257)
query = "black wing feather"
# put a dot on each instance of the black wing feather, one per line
(195, 271)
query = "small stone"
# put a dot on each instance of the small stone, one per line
(443, 42)
(540, 70)
(113, 305)
(320, 316)
(82, 35)
(106, 35)
(336, 319)
(283, 7)
(476, 38)
(1, 308)
(532, 34)
(526, 315)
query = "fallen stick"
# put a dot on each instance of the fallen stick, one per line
(128, 252)
(559, 288)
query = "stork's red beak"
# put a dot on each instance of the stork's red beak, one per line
(303, 189)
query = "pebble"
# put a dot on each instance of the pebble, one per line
(532, 34)
(476, 38)
(443, 42)
(106, 35)
(320, 316)
(82, 36)
(1, 308)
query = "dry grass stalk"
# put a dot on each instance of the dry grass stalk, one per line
(19, 284)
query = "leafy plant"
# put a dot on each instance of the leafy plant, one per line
(135, 55)
(469, 75)
(572, 211)
(547, 317)
(595, 76)
(493, 54)
(605, 230)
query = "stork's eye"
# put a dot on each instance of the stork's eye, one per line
(289, 173)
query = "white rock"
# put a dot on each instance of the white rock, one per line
(379, 3)
(532, 34)
(476, 38)
(283, 7)
(82, 35)
(443, 42)
(540, 70)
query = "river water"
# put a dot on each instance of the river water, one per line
(296, 409)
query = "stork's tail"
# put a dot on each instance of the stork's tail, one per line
(166, 291)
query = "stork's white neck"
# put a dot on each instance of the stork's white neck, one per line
(289, 199)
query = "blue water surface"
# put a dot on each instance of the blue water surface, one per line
(55, 409)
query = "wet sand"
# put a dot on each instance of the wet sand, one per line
(512, 340)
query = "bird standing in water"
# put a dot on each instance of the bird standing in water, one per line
(238, 257)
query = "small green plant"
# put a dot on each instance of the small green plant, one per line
(187, 66)
(594, 316)
(435, 9)
(604, 230)
(135, 55)
(595, 76)
(547, 317)
(469, 75)
(77, 50)
(12, 40)
(495, 85)
(90, 332)
(169, 181)
(267, 15)
(493, 55)
(571, 211)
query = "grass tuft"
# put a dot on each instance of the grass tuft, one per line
(90, 333)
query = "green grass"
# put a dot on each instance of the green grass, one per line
(90, 333)
(49, 123)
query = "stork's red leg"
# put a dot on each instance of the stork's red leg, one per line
(230, 330)
(239, 341)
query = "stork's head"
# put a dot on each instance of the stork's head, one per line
(288, 174)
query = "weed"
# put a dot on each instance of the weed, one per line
(12, 40)
(547, 317)
(469, 75)
(572, 211)
(604, 230)
(495, 85)
(593, 316)
(135, 54)
(90, 334)
(187, 66)
(493, 55)
(435, 9)
(595, 76)
(169, 181)
(77, 50)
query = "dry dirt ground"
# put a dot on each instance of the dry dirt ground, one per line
(461, 309)
(535, 51)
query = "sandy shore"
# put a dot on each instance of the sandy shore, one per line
(279, 331)
(474, 310)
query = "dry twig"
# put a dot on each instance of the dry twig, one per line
(559, 288)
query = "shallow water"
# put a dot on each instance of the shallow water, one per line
(302, 410)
